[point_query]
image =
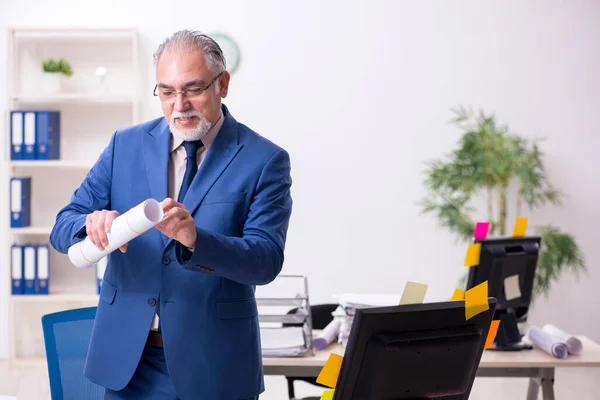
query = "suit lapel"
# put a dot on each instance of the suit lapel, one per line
(221, 153)
(157, 144)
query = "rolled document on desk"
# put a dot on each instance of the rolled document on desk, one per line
(125, 228)
(548, 343)
(574, 345)
(328, 335)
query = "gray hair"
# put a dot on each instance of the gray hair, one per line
(194, 40)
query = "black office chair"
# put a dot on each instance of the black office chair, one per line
(321, 317)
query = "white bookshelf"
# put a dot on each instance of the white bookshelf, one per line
(72, 98)
(58, 298)
(73, 164)
(90, 114)
(32, 230)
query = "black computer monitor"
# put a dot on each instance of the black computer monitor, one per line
(414, 351)
(500, 259)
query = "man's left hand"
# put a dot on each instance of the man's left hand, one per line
(178, 223)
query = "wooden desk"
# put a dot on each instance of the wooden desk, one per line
(534, 364)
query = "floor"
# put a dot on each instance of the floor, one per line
(31, 383)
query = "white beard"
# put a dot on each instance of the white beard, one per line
(190, 134)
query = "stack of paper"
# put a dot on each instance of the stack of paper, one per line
(350, 302)
(413, 293)
(282, 342)
(353, 301)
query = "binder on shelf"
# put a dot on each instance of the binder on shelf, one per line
(29, 135)
(16, 266)
(47, 135)
(16, 135)
(100, 269)
(29, 265)
(20, 202)
(43, 269)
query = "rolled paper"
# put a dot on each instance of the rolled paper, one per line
(328, 335)
(574, 345)
(125, 228)
(548, 343)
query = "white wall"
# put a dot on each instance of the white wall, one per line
(359, 93)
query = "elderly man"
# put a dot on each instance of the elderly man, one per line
(177, 316)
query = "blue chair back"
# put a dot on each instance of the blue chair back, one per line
(66, 339)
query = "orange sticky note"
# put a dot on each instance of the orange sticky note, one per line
(327, 395)
(476, 300)
(331, 370)
(520, 226)
(458, 294)
(492, 334)
(473, 254)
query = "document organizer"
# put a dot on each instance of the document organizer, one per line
(285, 317)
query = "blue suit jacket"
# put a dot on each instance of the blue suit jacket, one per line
(241, 203)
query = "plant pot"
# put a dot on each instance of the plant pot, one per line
(51, 82)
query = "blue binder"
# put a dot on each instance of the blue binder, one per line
(16, 266)
(20, 202)
(29, 128)
(42, 269)
(29, 268)
(47, 135)
(16, 135)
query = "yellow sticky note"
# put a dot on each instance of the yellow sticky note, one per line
(458, 294)
(331, 370)
(327, 395)
(520, 226)
(473, 254)
(476, 300)
(414, 293)
(492, 334)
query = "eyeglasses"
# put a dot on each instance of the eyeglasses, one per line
(169, 95)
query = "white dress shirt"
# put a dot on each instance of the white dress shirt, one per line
(177, 164)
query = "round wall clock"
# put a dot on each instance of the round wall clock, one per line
(231, 50)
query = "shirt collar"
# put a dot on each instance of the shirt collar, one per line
(207, 140)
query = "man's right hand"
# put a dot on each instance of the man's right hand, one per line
(97, 225)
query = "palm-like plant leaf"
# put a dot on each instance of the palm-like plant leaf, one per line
(487, 160)
(559, 253)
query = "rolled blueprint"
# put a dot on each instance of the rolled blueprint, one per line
(547, 343)
(125, 228)
(328, 335)
(574, 345)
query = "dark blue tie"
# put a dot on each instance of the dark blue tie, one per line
(191, 167)
(190, 171)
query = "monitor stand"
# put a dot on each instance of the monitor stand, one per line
(509, 337)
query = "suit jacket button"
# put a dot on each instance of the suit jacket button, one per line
(166, 260)
(151, 302)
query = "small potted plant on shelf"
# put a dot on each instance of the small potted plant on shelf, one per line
(508, 172)
(54, 71)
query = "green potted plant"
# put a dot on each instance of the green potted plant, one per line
(507, 171)
(54, 71)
